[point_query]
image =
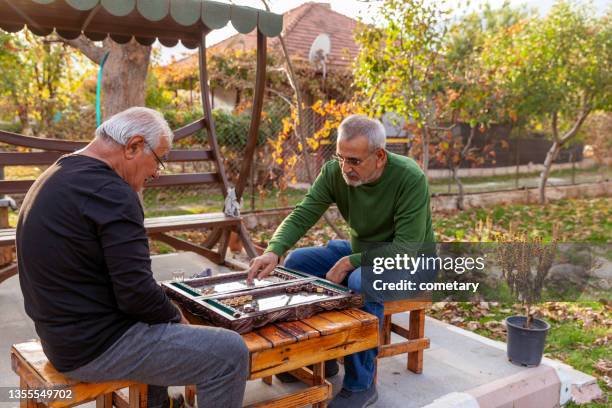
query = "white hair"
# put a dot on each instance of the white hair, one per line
(361, 125)
(138, 120)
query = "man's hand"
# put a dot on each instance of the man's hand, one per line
(183, 319)
(262, 266)
(339, 271)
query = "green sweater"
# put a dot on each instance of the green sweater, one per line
(394, 208)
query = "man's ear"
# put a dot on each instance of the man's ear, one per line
(133, 147)
(381, 154)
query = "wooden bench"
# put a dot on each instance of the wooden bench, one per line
(415, 342)
(36, 373)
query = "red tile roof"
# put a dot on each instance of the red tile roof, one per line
(301, 26)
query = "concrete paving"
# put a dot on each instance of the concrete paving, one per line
(457, 362)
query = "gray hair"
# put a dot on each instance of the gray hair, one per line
(361, 125)
(145, 122)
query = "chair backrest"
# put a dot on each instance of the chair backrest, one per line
(49, 150)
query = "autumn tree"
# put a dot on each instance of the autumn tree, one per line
(398, 68)
(470, 93)
(556, 70)
(41, 85)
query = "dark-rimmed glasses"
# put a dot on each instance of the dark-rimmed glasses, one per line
(159, 161)
(351, 161)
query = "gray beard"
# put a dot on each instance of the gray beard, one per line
(359, 182)
(352, 183)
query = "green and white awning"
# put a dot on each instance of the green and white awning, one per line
(169, 21)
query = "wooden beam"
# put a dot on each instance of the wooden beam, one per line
(183, 245)
(8, 272)
(402, 331)
(156, 225)
(309, 396)
(249, 247)
(184, 179)
(260, 86)
(190, 155)
(15, 186)
(190, 129)
(28, 158)
(386, 330)
(207, 109)
(120, 400)
(40, 143)
(399, 306)
(416, 331)
(408, 346)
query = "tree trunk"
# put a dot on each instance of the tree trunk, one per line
(125, 72)
(550, 157)
(559, 142)
(461, 193)
(425, 144)
(124, 76)
(455, 167)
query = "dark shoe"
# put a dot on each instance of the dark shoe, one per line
(351, 399)
(331, 369)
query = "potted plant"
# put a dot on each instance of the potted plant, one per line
(525, 264)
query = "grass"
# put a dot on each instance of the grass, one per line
(578, 220)
(580, 333)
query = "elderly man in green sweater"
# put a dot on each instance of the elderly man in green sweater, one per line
(383, 197)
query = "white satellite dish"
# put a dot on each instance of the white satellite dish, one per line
(319, 52)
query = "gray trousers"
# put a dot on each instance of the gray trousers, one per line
(162, 355)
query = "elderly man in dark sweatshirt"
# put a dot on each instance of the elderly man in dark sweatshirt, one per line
(85, 273)
(383, 197)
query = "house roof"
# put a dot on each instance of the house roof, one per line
(301, 26)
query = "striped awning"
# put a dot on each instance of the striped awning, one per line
(170, 21)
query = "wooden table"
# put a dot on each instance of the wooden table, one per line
(291, 346)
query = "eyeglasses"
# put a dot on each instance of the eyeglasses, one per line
(351, 161)
(159, 161)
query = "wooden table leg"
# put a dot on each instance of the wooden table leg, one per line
(190, 391)
(318, 378)
(105, 400)
(267, 380)
(138, 396)
(386, 330)
(416, 330)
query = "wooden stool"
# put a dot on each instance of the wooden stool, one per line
(415, 342)
(36, 373)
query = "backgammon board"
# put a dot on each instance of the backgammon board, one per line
(227, 300)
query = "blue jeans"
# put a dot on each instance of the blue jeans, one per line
(359, 368)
